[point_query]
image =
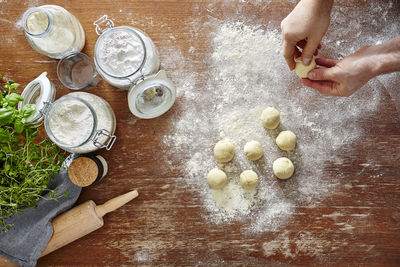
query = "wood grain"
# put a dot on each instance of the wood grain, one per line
(358, 225)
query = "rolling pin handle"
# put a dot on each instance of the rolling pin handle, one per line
(115, 203)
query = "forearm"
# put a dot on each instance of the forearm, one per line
(387, 57)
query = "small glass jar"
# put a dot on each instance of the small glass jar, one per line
(53, 31)
(124, 54)
(78, 122)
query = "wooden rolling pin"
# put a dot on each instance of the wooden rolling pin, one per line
(78, 222)
(82, 220)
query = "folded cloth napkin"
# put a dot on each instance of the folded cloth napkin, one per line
(32, 230)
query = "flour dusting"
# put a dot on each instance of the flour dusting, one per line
(245, 73)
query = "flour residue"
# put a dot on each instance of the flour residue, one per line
(290, 244)
(245, 73)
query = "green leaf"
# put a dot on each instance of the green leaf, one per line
(27, 110)
(19, 125)
(6, 115)
(4, 135)
(12, 99)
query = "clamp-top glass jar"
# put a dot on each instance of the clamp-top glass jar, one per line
(127, 58)
(78, 122)
(123, 54)
(53, 31)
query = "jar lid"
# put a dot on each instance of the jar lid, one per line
(83, 171)
(152, 96)
(120, 52)
(41, 93)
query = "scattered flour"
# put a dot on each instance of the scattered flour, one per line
(246, 73)
(290, 244)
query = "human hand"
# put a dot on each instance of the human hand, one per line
(304, 27)
(344, 77)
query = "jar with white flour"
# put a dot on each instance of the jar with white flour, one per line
(127, 58)
(53, 31)
(78, 122)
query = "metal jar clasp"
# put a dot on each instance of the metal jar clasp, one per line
(102, 20)
(103, 132)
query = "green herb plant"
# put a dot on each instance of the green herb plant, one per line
(27, 160)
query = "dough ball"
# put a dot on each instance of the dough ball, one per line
(224, 151)
(253, 150)
(248, 179)
(270, 118)
(303, 70)
(283, 168)
(216, 178)
(286, 140)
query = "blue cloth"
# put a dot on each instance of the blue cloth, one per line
(24, 243)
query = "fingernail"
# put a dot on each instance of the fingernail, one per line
(306, 61)
(311, 75)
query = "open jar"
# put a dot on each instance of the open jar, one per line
(123, 54)
(53, 31)
(78, 122)
(127, 58)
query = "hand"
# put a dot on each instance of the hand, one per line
(304, 27)
(344, 77)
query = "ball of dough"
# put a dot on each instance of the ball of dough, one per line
(270, 118)
(303, 70)
(286, 140)
(248, 179)
(253, 150)
(283, 168)
(224, 151)
(216, 178)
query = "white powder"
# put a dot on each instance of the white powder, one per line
(37, 22)
(71, 122)
(120, 53)
(105, 120)
(247, 73)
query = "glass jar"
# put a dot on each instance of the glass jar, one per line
(124, 54)
(127, 58)
(78, 122)
(53, 31)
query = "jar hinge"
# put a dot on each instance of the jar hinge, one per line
(45, 108)
(103, 19)
(137, 80)
(104, 132)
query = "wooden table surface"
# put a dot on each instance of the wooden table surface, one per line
(165, 226)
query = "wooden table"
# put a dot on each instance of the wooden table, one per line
(165, 226)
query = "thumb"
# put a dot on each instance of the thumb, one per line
(309, 50)
(321, 74)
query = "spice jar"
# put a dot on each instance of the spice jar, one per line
(78, 122)
(85, 170)
(127, 58)
(53, 31)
